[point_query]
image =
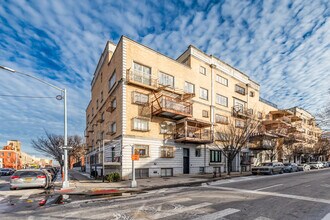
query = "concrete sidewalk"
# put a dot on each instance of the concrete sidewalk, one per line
(82, 184)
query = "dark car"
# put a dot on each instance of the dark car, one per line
(6, 172)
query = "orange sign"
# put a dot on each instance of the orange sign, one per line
(135, 157)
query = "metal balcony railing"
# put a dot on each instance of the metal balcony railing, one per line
(166, 103)
(141, 78)
(194, 133)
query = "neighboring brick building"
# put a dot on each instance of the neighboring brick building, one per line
(10, 158)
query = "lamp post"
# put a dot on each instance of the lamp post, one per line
(64, 97)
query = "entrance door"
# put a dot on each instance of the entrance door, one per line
(185, 160)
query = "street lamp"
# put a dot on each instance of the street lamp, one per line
(65, 147)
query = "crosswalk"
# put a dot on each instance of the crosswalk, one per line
(155, 208)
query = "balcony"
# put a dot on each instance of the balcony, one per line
(86, 133)
(241, 112)
(90, 128)
(193, 131)
(140, 79)
(166, 106)
(112, 160)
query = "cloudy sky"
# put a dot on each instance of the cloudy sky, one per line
(283, 45)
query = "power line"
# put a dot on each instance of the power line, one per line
(26, 96)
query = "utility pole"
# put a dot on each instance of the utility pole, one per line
(133, 183)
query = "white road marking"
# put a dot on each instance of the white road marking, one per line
(262, 218)
(26, 195)
(326, 217)
(268, 187)
(121, 212)
(325, 185)
(304, 198)
(218, 215)
(180, 210)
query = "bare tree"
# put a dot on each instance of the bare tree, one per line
(231, 138)
(51, 144)
(323, 117)
(321, 148)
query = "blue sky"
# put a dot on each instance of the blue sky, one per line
(283, 45)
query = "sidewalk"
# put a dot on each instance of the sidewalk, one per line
(83, 185)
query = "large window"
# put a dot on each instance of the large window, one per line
(101, 96)
(112, 80)
(166, 80)
(203, 93)
(189, 87)
(205, 113)
(167, 152)
(142, 150)
(221, 119)
(140, 98)
(140, 124)
(240, 89)
(221, 100)
(221, 80)
(142, 74)
(215, 156)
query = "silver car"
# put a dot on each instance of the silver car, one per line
(268, 168)
(29, 178)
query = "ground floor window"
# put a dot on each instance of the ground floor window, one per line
(215, 156)
(167, 152)
(142, 150)
(141, 173)
(166, 172)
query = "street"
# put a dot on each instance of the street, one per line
(303, 195)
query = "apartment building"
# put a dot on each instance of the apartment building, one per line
(164, 109)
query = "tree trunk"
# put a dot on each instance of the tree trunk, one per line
(229, 165)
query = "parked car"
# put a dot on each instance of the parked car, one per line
(6, 171)
(290, 167)
(325, 164)
(316, 165)
(268, 168)
(29, 178)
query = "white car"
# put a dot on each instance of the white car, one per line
(316, 165)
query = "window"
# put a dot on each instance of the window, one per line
(113, 128)
(189, 87)
(142, 150)
(140, 98)
(97, 104)
(259, 115)
(215, 156)
(92, 111)
(221, 100)
(101, 96)
(142, 74)
(251, 94)
(202, 70)
(221, 80)
(112, 80)
(113, 105)
(166, 80)
(239, 123)
(202, 170)
(167, 152)
(87, 120)
(101, 76)
(205, 114)
(203, 93)
(240, 89)
(102, 117)
(167, 127)
(198, 153)
(166, 171)
(221, 119)
(140, 124)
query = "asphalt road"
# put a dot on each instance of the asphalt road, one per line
(303, 195)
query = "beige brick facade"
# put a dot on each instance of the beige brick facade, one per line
(144, 106)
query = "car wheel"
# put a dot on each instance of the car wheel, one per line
(281, 172)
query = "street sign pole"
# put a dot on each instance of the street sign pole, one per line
(133, 183)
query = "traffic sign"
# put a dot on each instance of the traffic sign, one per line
(135, 157)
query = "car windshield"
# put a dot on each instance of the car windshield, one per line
(267, 164)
